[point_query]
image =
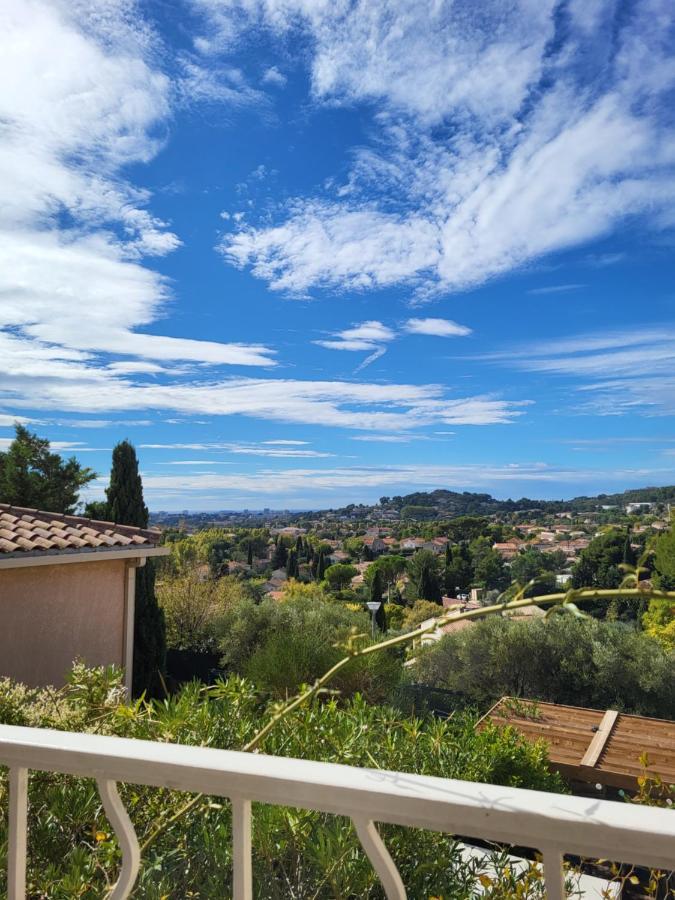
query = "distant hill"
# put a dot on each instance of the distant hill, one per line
(432, 504)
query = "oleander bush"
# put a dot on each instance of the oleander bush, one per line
(296, 854)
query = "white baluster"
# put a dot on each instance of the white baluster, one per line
(18, 832)
(124, 830)
(242, 888)
(554, 877)
(382, 862)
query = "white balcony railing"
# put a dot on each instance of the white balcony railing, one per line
(550, 823)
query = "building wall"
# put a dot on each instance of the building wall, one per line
(51, 615)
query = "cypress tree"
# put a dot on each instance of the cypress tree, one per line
(628, 552)
(126, 507)
(321, 566)
(125, 492)
(249, 559)
(280, 557)
(376, 589)
(292, 567)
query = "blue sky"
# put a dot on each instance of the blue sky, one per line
(306, 253)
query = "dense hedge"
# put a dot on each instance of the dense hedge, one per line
(296, 854)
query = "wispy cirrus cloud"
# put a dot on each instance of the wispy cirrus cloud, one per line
(241, 449)
(617, 372)
(335, 484)
(556, 289)
(46, 379)
(526, 131)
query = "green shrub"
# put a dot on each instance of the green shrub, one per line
(583, 662)
(279, 645)
(72, 852)
(419, 612)
(193, 606)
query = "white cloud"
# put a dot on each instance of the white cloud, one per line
(137, 367)
(353, 346)
(385, 438)
(323, 484)
(556, 289)
(524, 132)
(9, 419)
(40, 376)
(212, 83)
(83, 98)
(624, 371)
(244, 449)
(274, 76)
(437, 327)
(286, 442)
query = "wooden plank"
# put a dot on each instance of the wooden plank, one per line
(597, 745)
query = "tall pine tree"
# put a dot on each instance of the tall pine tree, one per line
(126, 507)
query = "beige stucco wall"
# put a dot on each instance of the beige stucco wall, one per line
(50, 615)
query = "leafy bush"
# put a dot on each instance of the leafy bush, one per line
(192, 608)
(563, 659)
(419, 612)
(279, 645)
(295, 853)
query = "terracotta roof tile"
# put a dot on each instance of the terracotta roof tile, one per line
(35, 532)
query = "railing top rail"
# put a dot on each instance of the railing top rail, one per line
(587, 827)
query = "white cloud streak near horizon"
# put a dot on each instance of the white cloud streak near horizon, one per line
(288, 483)
(531, 127)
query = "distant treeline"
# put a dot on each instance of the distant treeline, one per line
(430, 504)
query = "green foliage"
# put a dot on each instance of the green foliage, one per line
(73, 852)
(127, 507)
(388, 567)
(489, 570)
(664, 560)
(353, 546)
(396, 615)
(321, 565)
(425, 576)
(418, 512)
(279, 645)
(562, 659)
(339, 576)
(659, 622)
(218, 555)
(533, 563)
(280, 555)
(458, 574)
(97, 509)
(292, 566)
(125, 491)
(419, 612)
(193, 607)
(599, 563)
(149, 635)
(32, 476)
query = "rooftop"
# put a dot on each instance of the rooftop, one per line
(35, 533)
(592, 745)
